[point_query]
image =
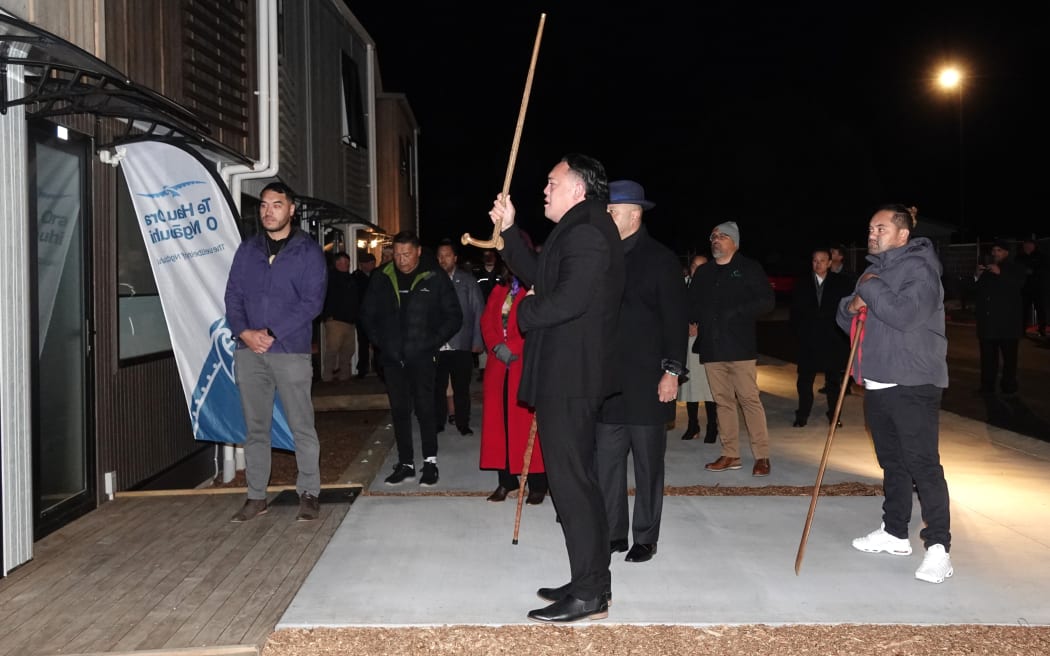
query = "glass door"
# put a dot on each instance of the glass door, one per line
(59, 199)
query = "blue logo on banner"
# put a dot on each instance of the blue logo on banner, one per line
(216, 411)
(172, 190)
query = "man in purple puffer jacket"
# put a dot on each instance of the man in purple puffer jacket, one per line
(275, 290)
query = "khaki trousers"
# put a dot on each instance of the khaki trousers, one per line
(732, 384)
(340, 340)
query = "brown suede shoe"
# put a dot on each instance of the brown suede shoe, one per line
(761, 467)
(723, 463)
(309, 508)
(251, 509)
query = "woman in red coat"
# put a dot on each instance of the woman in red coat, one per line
(506, 421)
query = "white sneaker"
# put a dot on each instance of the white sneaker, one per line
(880, 540)
(936, 565)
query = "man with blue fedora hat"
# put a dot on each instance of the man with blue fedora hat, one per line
(652, 334)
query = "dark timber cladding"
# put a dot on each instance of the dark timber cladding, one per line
(216, 75)
(199, 53)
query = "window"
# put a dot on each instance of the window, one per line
(143, 330)
(353, 107)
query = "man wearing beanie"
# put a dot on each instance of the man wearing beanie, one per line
(725, 300)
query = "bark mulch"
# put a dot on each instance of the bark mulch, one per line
(342, 436)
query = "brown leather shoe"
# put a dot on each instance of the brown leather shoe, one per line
(251, 509)
(309, 508)
(723, 463)
(761, 467)
(499, 494)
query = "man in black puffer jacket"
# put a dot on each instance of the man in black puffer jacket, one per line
(410, 311)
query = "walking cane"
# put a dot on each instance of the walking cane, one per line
(858, 331)
(524, 475)
(497, 240)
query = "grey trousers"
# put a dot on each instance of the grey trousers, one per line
(259, 375)
(647, 445)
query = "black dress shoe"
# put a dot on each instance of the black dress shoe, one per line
(554, 594)
(640, 553)
(618, 546)
(499, 494)
(712, 436)
(452, 419)
(571, 609)
(465, 430)
(691, 432)
(535, 497)
(559, 593)
(830, 415)
(799, 423)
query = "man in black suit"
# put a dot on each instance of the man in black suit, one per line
(569, 320)
(653, 333)
(822, 346)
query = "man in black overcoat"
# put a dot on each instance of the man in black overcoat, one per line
(999, 283)
(653, 333)
(822, 346)
(569, 321)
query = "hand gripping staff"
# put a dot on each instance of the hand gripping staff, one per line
(858, 332)
(497, 240)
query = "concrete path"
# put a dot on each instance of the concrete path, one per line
(416, 559)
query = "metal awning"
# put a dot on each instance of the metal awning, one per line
(326, 213)
(61, 79)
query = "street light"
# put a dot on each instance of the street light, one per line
(950, 78)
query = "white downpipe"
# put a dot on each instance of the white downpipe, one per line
(269, 150)
(373, 184)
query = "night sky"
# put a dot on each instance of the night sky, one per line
(796, 123)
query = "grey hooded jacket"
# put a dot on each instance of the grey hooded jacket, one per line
(904, 338)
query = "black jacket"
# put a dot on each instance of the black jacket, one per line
(999, 302)
(343, 299)
(725, 301)
(570, 324)
(653, 328)
(822, 345)
(413, 326)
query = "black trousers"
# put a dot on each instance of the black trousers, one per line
(568, 429)
(804, 385)
(459, 366)
(991, 349)
(1033, 297)
(364, 350)
(411, 387)
(904, 429)
(647, 445)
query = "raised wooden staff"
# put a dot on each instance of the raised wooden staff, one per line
(497, 240)
(858, 331)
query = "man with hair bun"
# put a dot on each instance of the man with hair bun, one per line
(902, 362)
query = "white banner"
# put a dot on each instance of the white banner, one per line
(190, 232)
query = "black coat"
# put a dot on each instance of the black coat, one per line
(653, 328)
(822, 345)
(570, 323)
(410, 327)
(999, 302)
(343, 300)
(725, 301)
